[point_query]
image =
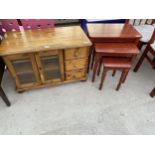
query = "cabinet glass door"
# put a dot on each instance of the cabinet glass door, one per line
(51, 66)
(24, 69)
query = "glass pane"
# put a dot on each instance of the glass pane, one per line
(51, 67)
(22, 66)
(24, 71)
(26, 78)
(52, 74)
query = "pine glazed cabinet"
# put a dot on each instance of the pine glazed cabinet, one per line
(39, 58)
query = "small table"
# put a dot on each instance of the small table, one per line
(121, 33)
(112, 33)
(125, 50)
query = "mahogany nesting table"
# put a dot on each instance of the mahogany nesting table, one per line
(122, 33)
(112, 33)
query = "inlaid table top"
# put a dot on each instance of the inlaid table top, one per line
(112, 31)
(43, 39)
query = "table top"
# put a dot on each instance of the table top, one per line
(116, 48)
(112, 31)
(43, 39)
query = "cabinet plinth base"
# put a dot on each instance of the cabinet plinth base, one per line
(21, 90)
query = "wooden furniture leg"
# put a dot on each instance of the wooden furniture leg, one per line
(125, 76)
(94, 71)
(141, 60)
(93, 57)
(121, 79)
(114, 72)
(97, 60)
(152, 93)
(99, 68)
(4, 97)
(89, 58)
(140, 45)
(103, 78)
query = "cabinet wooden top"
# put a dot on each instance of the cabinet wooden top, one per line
(43, 39)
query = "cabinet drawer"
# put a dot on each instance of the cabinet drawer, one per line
(75, 64)
(76, 53)
(77, 74)
(48, 53)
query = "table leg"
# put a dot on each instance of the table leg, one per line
(152, 93)
(121, 80)
(89, 58)
(93, 57)
(97, 61)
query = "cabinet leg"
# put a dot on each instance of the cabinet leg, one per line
(20, 91)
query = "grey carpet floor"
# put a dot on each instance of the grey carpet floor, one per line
(80, 108)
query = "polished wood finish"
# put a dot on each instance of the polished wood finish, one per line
(111, 33)
(58, 52)
(76, 61)
(44, 39)
(117, 50)
(75, 74)
(115, 64)
(73, 53)
(75, 64)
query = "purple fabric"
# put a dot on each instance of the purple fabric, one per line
(9, 25)
(37, 23)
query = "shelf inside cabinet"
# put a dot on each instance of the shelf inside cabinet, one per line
(22, 67)
(26, 78)
(50, 63)
(52, 74)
